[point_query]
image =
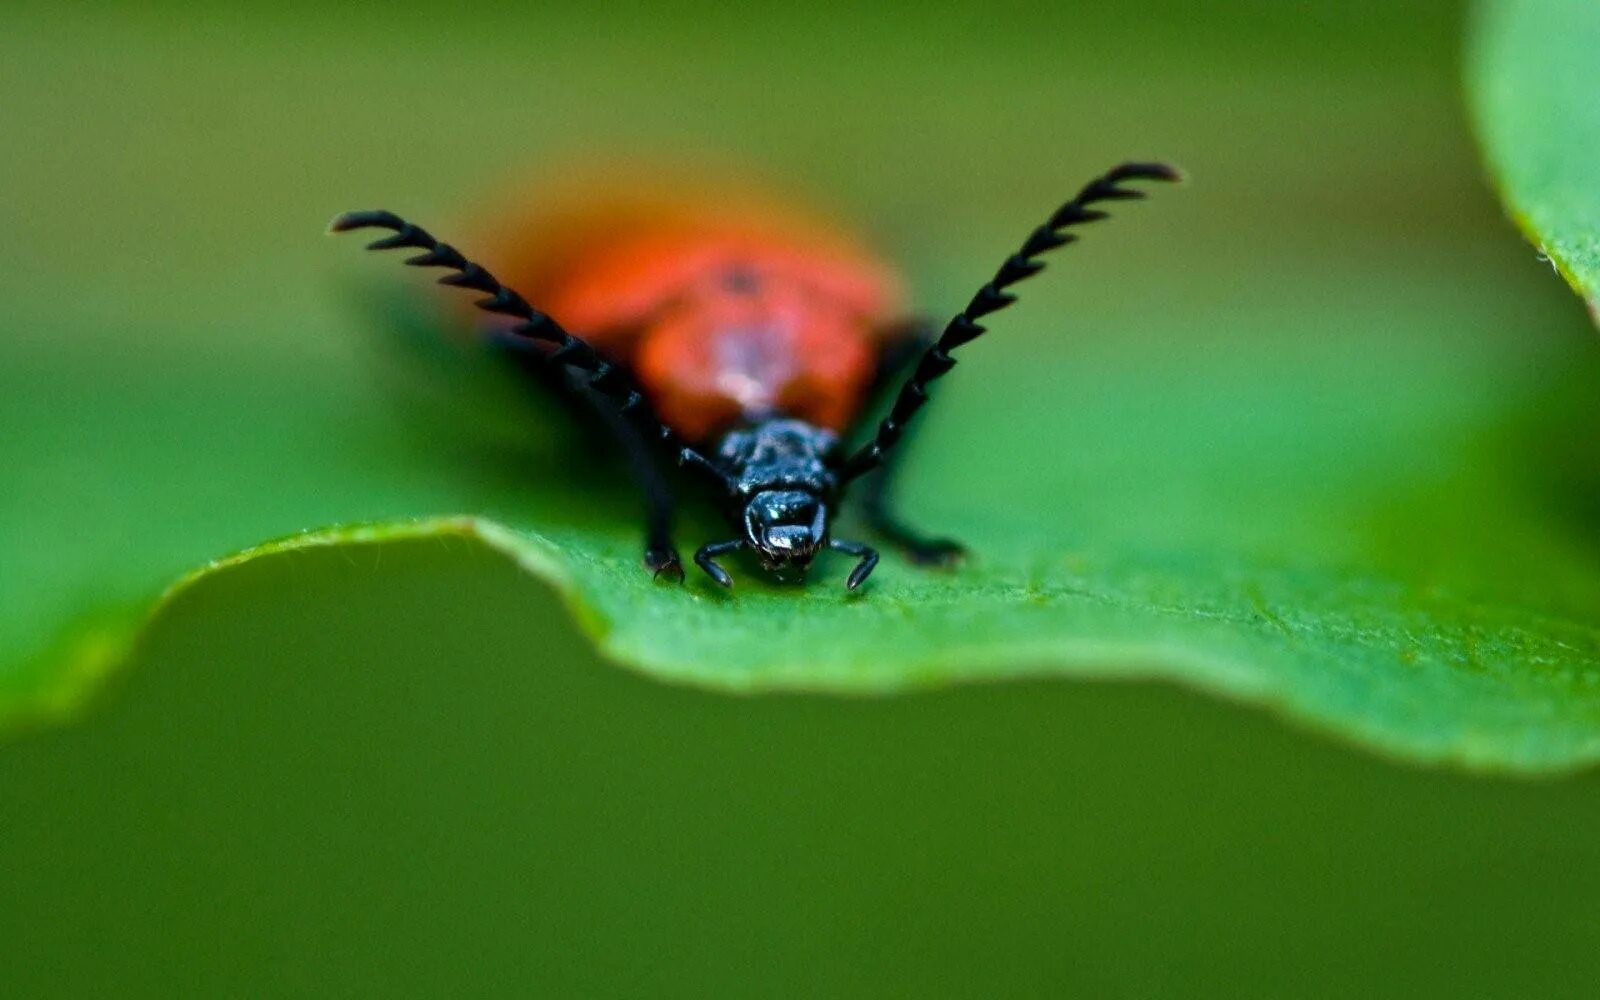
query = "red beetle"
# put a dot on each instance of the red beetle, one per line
(744, 353)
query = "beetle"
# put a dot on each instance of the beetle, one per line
(745, 361)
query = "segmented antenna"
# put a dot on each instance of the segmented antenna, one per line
(601, 375)
(993, 297)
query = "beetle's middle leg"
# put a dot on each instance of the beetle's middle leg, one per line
(590, 409)
(902, 346)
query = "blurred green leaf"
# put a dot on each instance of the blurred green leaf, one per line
(301, 747)
(1299, 434)
(1535, 82)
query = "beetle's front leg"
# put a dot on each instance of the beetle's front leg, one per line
(867, 556)
(706, 559)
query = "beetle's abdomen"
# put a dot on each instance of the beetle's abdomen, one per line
(724, 317)
(752, 346)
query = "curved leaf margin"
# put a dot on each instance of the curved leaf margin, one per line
(96, 650)
(1533, 79)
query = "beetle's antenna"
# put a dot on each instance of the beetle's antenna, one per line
(601, 375)
(992, 297)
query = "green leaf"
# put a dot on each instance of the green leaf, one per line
(1534, 79)
(1299, 434)
(492, 804)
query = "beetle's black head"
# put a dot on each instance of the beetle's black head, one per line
(786, 528)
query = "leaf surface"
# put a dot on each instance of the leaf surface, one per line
(1533, 77)
(1298, 434)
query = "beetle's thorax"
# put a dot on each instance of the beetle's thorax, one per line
(780, 454)
(782, 487)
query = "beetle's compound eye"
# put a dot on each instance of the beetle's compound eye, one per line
(786, 528)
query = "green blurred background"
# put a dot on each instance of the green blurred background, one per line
(323, 775)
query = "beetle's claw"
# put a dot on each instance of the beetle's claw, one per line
(664, 564)
(859, 575)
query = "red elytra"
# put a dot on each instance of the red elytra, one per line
(724, 315)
